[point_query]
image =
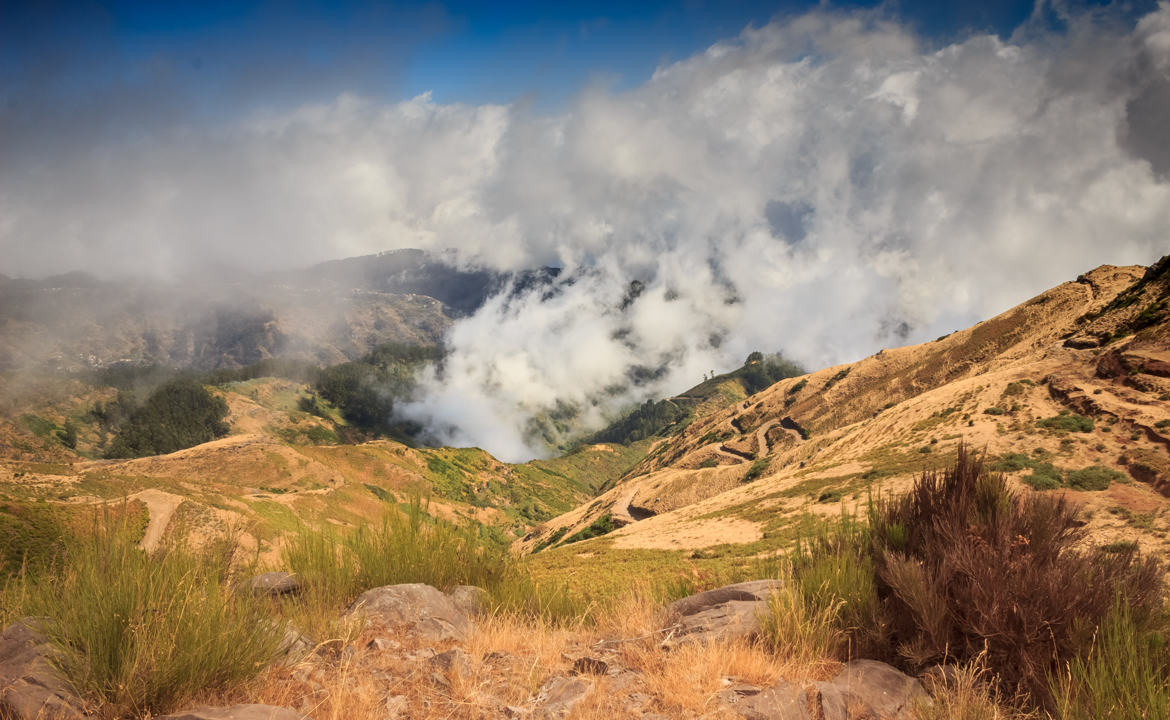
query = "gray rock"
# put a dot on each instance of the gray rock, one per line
(750, 591)
(871, 690)
(560, 695)
(782, 701)
(417, 609)
(29, 686)
(727, 613)
(274, 584)
(453, 662)
(237, 712)
(472, 601)
(293, 646)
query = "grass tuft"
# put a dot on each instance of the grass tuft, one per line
(140, 634)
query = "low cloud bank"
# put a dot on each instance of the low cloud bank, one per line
(825, 185)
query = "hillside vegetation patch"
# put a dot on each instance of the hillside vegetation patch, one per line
(1067, 422)
(962, 570)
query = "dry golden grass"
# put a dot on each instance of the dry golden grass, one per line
(965, 695)
(509, 659)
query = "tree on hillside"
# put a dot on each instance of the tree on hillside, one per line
(760, 371)
(177, 415)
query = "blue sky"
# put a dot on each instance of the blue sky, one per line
(212, 57)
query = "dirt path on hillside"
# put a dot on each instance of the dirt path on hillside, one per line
(621, 508)
(731, 455)
(762, 437)
(161, 505)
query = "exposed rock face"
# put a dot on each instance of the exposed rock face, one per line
(238, 712)
(274, 584)
(29, 687)
(415, 608)
(726, 613)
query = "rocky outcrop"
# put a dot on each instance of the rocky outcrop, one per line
(414, 608)
(29, 686)
(727, 613)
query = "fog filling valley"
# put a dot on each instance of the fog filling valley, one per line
(824, 186)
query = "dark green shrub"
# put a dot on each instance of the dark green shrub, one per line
(1070, 422)
(1093, 477)
(1012, 462)
(68, 435)
(597, 528)
(1045, 476)
(841, 375)
(758, 467)
(551, 540)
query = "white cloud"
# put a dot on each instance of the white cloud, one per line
(823, 186)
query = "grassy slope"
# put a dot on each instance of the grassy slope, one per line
(889, 417)
(281, 467)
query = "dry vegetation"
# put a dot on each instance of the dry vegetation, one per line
(817, 480)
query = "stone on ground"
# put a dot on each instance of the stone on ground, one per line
(727, 613)
(30, 689)
(414, 608)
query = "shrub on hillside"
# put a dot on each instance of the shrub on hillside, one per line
(965, 567)
(1093, 477)
(179, 414)
(601, 526)
(1067, 422)
(1044, 476)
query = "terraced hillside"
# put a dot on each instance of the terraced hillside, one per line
(1069, 392)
